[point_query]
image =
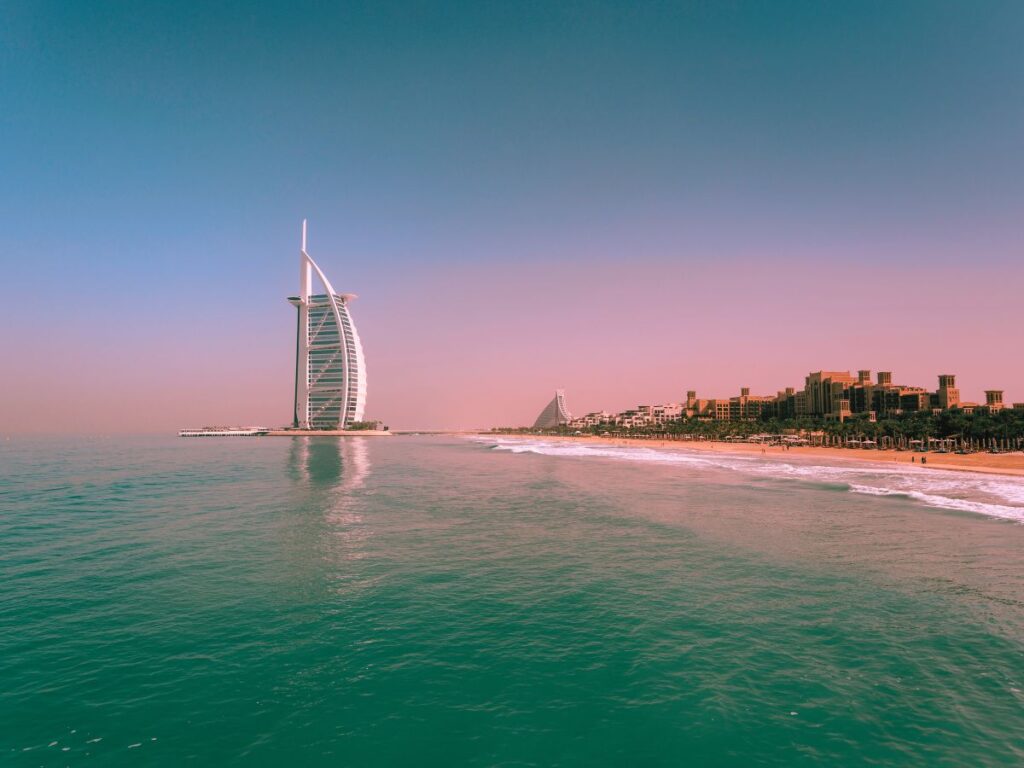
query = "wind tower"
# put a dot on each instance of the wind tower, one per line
(330, 371)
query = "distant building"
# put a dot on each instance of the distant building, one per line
(330, 371)
(663, 414)
(948, 394)
(697, 407)
(748, 407)
(838, 395)
(595, 419)
(835, 395)
(826, 394)
(555, 413)
(744, 407)
(789, 403)
(994, 399)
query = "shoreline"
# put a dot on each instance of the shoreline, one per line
(1011, 464)
(327, 433)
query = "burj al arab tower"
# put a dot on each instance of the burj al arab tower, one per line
(330, 372)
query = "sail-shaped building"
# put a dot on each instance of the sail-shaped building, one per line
(555, 413)
(330, 371)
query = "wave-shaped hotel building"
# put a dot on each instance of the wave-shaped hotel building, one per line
(555, 414)
(330, 370)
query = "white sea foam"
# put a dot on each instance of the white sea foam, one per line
(944, 489)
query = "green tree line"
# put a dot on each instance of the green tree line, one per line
(983, 426)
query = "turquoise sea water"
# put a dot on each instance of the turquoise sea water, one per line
(443, 601)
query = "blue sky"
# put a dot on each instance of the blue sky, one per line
(424, 131)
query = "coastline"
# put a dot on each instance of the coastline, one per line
(327, 433)
(983, 463)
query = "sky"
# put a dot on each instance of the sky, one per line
(625, 200)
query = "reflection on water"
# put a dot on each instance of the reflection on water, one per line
(333, 470)
(341, 463)
(357, 459)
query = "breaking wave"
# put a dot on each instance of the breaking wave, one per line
(1001, 497)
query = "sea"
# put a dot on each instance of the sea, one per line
(485, 601)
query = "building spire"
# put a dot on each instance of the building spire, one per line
(305, 269)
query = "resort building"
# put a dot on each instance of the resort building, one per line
(744, 407)
(747, 407)
(595, 419)
(663, 414)
(833, 395)
(839, 395)
(555, 413)
(948, 394)
(634, 418)
(826, 396)
(994, 399)
(330, 371)
(695, 406)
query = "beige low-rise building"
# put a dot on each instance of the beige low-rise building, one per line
(834, 395)
(994, 399)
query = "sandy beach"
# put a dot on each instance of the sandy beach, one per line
(990, 463)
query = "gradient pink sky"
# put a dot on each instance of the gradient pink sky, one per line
(627, 200)
(477, 346)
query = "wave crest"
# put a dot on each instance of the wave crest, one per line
(939, 488)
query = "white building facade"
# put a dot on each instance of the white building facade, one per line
(330, 370)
